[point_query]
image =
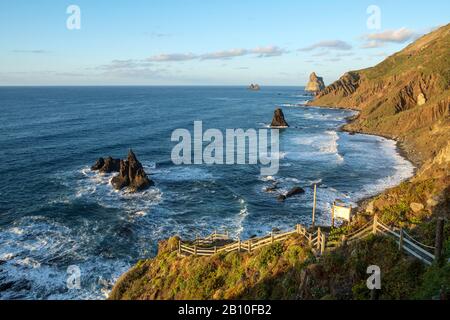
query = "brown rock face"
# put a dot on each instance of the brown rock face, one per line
(107, 165)
(278, 119)
(131, 175)
(315, 83)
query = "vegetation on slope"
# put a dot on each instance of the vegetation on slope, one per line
(282, 271)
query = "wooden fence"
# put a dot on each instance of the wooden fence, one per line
(206, 247)
(316, 240)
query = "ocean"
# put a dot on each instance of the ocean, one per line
(55, 212)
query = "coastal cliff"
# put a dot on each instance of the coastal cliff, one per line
(407, 98)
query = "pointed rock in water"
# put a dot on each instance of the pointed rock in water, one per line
(315, 83)
(131, 175)
(278, 120)
(254, 87)
(138, 177)
(107, 165)
(121, 180)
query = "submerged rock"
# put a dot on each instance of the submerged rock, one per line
(271, 188)
(131, 175)
(315, 83)
(293, 192)
(278, 120)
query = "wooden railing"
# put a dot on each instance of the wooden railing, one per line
(317, 241)
(206, 247)
(405, 242)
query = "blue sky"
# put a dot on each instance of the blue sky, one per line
(202, 42)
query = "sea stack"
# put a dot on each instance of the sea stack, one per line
(278, 120)
(131, 173)
(315, 83)
(254, 87)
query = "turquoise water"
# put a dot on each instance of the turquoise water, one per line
(55, 212)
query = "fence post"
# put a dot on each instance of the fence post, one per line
(319, 238)
(400, 241)
(375, 223)
(297, 227)
(272, 240)
(323, 244)
(310, 239)
(215, 249)
(438, 244)
(332, 214)
(313, 224)
(239, 245)
(179, 246)
(195, 250)
(249, 246)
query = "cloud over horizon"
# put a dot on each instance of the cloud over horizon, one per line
(31, 51)
(377, 40)
(260, 52)
(329, 44)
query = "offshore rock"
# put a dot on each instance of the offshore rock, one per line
(278, 120)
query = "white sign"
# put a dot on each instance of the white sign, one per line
(343, 213)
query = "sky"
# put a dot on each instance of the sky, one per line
(204, 42)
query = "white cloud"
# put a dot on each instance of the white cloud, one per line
(377, 40)
(398, 36)
(30, 51)
(261, 52)
(225, 54)
(124, 64)
(173, 57)
(270, 51)
(329, 44)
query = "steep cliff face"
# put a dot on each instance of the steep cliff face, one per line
(406, 97)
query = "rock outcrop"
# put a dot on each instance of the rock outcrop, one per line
(107, 165)
(278, 120)
(254, 87)
(315, 83)
(131, 173)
